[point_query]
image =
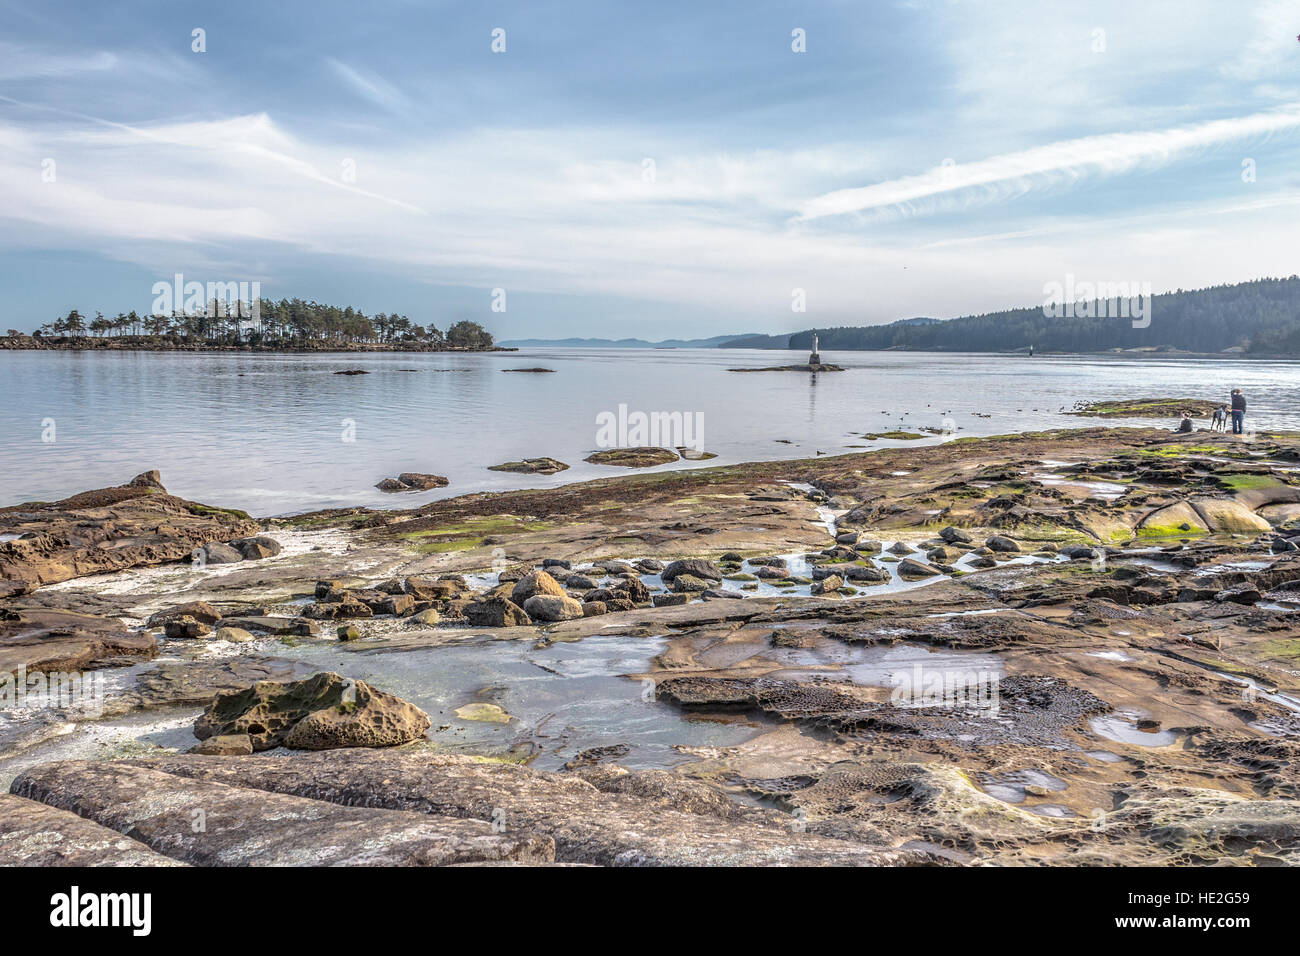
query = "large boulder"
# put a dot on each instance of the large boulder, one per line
(534, 583)
(321, 712)
(552, 607)
(218, 553)
(1001, 543)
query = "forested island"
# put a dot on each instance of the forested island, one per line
(284, 325)
(1261, 317)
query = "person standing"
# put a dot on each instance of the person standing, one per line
(1238, 412)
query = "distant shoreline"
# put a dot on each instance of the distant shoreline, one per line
(1006, 353)
(29, 343)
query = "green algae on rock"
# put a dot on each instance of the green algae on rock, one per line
(640, 457)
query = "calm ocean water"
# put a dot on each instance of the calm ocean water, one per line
(266, 433)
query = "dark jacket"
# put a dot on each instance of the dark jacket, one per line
(1239, 403)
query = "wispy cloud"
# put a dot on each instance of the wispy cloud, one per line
(370, 86)
(1014, 174)
(17, 63)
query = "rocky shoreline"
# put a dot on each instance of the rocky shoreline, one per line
(1064, 648)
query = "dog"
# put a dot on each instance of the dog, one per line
(1220, 423)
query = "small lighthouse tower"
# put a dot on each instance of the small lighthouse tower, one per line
(815, 358)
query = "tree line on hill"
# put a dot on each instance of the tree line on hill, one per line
(283, 323)
(1261, 317)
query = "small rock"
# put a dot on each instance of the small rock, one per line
(697, 567)
(910, 569)
(199, 610)
(257, 547)
(183, 627)
(225, 745)
(828, 585)
(496, 612)
(422, 482)
(1079, 552)
(683, 583)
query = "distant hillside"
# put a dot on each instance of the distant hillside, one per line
(709, 343)
(758, 342)
(1260, 317)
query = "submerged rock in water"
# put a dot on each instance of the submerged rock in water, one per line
(531, 466)
(319, 713)
(640, 457)
(412, 481)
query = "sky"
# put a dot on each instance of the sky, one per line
(652, 170)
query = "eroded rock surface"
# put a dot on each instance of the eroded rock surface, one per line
(587, 825)
(132, 525)
(242, 827)
(36, 834)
